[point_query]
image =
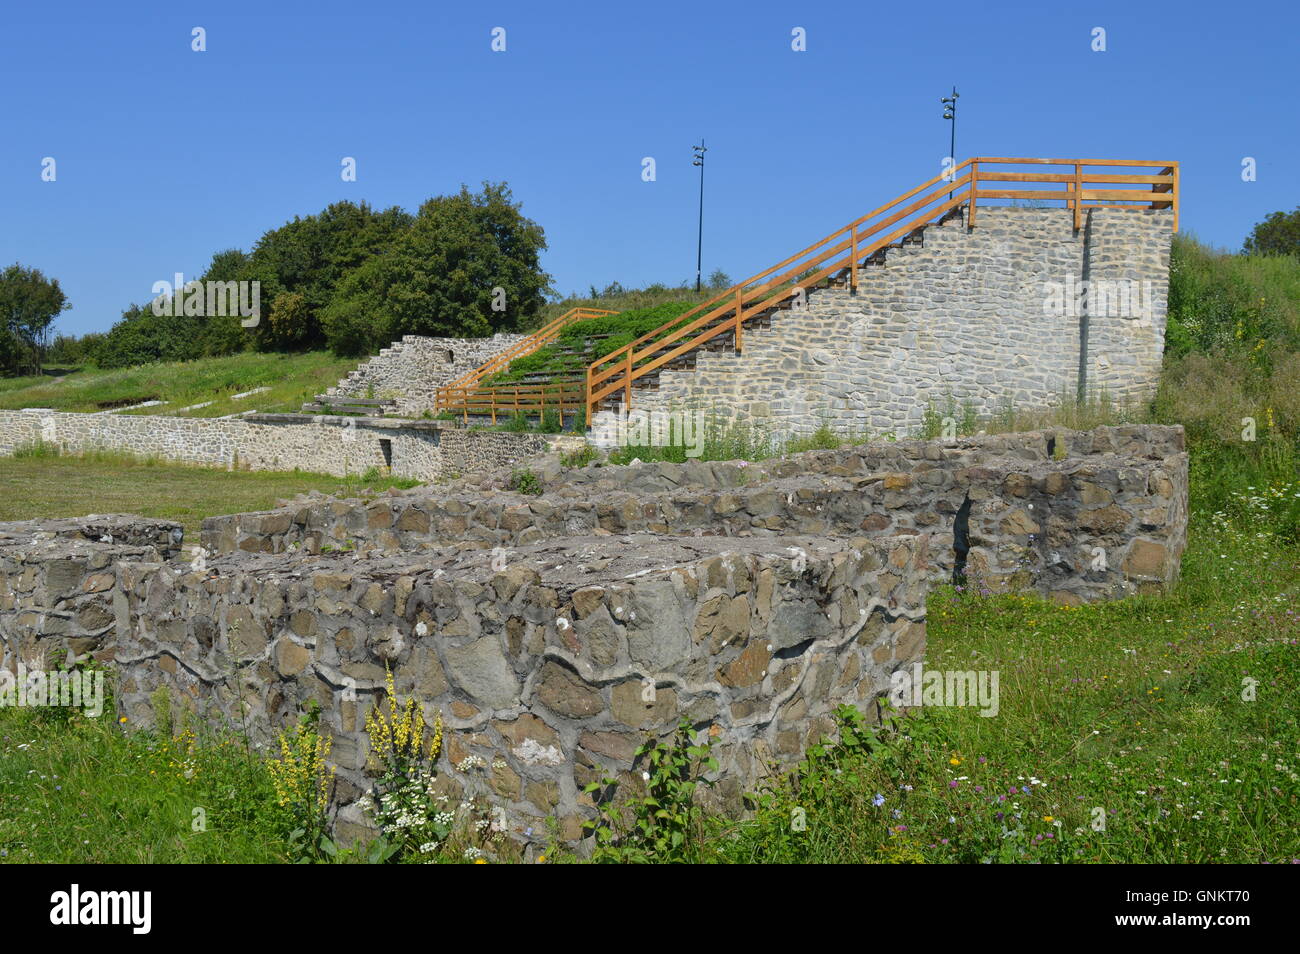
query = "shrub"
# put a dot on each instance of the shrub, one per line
(525, 482)
(581, 457)
(661, 825)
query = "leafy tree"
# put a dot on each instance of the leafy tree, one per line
(1279, 234)
(142, 337)
(290, 321)
(468, 266)
(358, 279)
(310, 257)
(74, 349)
(29, 303)
(720, 280)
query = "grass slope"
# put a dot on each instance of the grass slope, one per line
(1132, 708)
(49, 486)
(622, 329)
(292, 378)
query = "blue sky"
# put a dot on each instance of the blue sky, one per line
(165, 155)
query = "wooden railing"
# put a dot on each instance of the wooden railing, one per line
(511, 400)
(843, 252)
(538, 339)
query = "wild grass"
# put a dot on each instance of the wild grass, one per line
(1123, 734)
(556, 360)
(293, 379)
(42, 483)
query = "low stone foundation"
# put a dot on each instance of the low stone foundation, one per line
(340, 446)
(554, 634)
(552, 671)
(1107, 519)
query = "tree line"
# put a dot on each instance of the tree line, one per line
(350, 278)
(353, 280)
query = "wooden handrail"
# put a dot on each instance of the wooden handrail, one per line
(726, 295)
(1153, 184)
(538, 339)
(726, 312)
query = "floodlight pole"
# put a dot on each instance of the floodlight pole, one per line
(698, 160)
(950, 113)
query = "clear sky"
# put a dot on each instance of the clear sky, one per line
(165, 155)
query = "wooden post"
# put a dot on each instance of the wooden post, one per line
(853, 261)
(1176, 192)
(974, 179)
(740, 310)
(588, 397)
(627, 395)
(1078, 195)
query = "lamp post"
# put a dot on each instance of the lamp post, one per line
(698, 160)
(950, 113)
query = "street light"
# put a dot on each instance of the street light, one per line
(698, 160)
(950, 113)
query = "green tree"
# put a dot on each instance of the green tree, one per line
(1279, 234)
(468, 266)
(310, 257)
(29, 303)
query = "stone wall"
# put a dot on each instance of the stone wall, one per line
(412, 370)
(341, 446)
(963, 315)
(57, 579)
(1106, 518)
(550, 672)
(554, 634)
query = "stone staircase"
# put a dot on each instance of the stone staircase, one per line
(1007, 349)
(404, 378)
(762, 323)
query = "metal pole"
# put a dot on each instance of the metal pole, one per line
(950, 113)
(699, 241)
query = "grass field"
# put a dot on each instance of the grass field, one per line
(1124, 733)
(1159, 728)
(292, 378)
(1131, 712)
(48, 486)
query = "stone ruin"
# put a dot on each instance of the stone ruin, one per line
(555, 633)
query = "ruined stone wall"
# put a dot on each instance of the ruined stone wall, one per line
(341, 446)
(57, 579)
(412, 370)
(967, 315)
(554, 634)
(547, 674)
(1106, 518)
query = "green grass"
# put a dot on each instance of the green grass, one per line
(293, 379)
(623, 328)
(615, 297)
(76, 790)
(1132, 707)
(41, 485)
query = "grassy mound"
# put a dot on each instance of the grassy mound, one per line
(555, 360)
(292, 379)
